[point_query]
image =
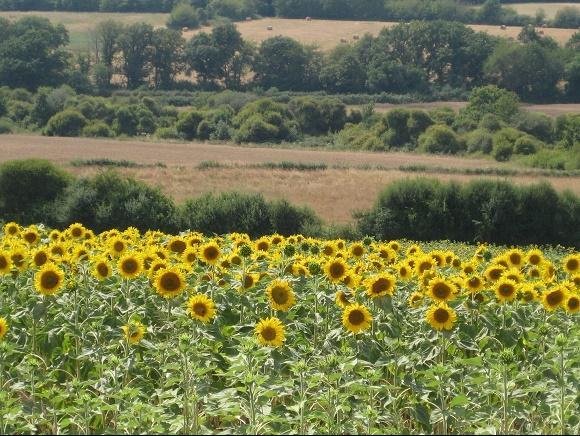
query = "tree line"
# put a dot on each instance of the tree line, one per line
(409, 58)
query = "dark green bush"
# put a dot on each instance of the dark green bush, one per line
(188, 123)
(502, 151)
(28, 189)
(440, 139)
(479, 140)
(183, 15)
(527, 145)
(97, 129)
(5, 126)
(287, 219)
(65, 123)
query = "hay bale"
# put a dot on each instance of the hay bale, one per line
(185, 29)
(308, 19)
(343, 40)
(356, 37)
(269, 28)
(503, 27)
(248, 18)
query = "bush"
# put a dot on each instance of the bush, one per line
(65, 123)
(28, 189)
(536, 124)
(485, 211)
(167, 133)
(568, 17)
(109, 201)
(504, 141)
(287, 219)
(440, 139)
(502, 152)
(188, 123)
(256, 129)
(97, 129)
(527, 145)
(490, 122)
(479, 140)
(5, 126)
(183, 15)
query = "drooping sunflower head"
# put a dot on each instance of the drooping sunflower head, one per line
(134, 332)
(280, 295)
(270, 332)
(505, 290)
(441, 290)
(169, 282)
(571, 263)
(335, 270)
(380, 285)
(441, 317)
(130, 265)
(553, 298)
(201, 308)
(49, 279)
(3, 327)
(341, 299)
(210, 253)
(356, 318)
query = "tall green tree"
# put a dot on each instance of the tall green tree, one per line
(107, 34)
(167, 57)
(135, 44)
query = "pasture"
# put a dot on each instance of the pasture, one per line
(334, 192)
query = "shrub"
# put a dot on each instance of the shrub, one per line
(568, 17)
(479, 140)
(490, 122)
(167, 133)
(287, 219)
(188, 123)
(28, 189)
(504, 141)
(536, 124)
(527, 145)
(66, 123)
(97, 129)
(183, 15)
(5, 126)
(256, 129)
(502, 152)
(440, 139)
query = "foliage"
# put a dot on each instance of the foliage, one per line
(65, 123)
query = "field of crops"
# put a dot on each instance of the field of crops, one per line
(127, 332)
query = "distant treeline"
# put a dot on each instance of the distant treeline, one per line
(419, 57)
(491, 12)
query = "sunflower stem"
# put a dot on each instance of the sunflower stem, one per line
(562, 392)
(505, 401)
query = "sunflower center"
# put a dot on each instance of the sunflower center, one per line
(474, 282)
(506, 290)
(190, 257)
(424, 266)
(328, 250)
(103, 269)
(357, 250)
(130, 266)
(573, 303)
(534, 273)
(381, 285)
(495, 274)
(40, 258)
(12, 230)
(468, 269)
(76, 232)
(268, 333)
(134, 335)
(441, 315)
(279, 295)
(18, 259)
(263, 246)
(356, 317)
(515, 259)
(554, 298)
(572, 265)
(49, 280)
(336, 270)
(178, 246)
(170, 282)
(118, 246)
(441, 291)
(30, 237)
(3, 262)
(57, 250)
(211, 253)
(248, 281)
(200, 309)
(534, 259)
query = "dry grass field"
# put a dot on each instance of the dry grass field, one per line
(350, 183)
(549, 8)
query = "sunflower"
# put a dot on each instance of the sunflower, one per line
(117, 246)
(76, 230)
(534, 273)
(415, 299)
(335, 270)
(329, 248)
(169, 282)
(249, 280)
(31, 235)
(572, 263)
(515, 257)
(357, 249)
(572, 304)
(262, 244)
(527, 292)
(468, 268)
(177, 245)
(281, 295)
(548, 271)
(441, 317)
(473, 283)
(553, 298)
(513, 274)
(394, 245)
(424, 263)
(40, 257)
(413, 249)
(438, 257)
(270, 332)
(505, 290)
(210, 253)
(201, 308)
(101, 268)
(441, 290)
(49, 279)
(494, 272)
(535, 256)
(130, 265)
(380, 285)
(11, 229)
(3, 327)
(5, 263)
(404, 271)
(356, 318)
(341, 299)
(134, 332)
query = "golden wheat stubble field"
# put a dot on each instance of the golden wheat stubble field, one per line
(351, 181)
(550, 9)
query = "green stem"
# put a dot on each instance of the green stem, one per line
(562, 392)
(505, 401)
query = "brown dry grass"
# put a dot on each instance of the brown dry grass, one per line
(334, 194)
(531, 8)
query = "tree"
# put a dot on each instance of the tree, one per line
(281, 63)
(342, 71)
(31, 53)
(202, 58)
(167, 57)
(492, 100)
(183, 15)
(135, 44)
(107, 35)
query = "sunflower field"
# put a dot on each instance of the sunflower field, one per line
(129, 332)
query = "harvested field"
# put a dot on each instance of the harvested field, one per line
(549, 8)
(334, 193)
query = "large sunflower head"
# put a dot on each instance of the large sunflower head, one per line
(31, 235)
(5, 263)
(117, 246)
(473, 283)
(40, 257)
(76, 230)
(270, 332)
(177, 245)
(169, 282)
(571, 263)
(441, 317)
(3, 327)
(356, 318)
(515, 257)
(134, 332)
(535, 257)
(281, 295)
(553, 298)
(101, 268)
(441, 290)
(49, 279)
(357, 249)
(130, 265)
(505, 290)
(201, 308)
(210, 253)
(380, 285)
(494, 272)
(11, 229)
(335, 270)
